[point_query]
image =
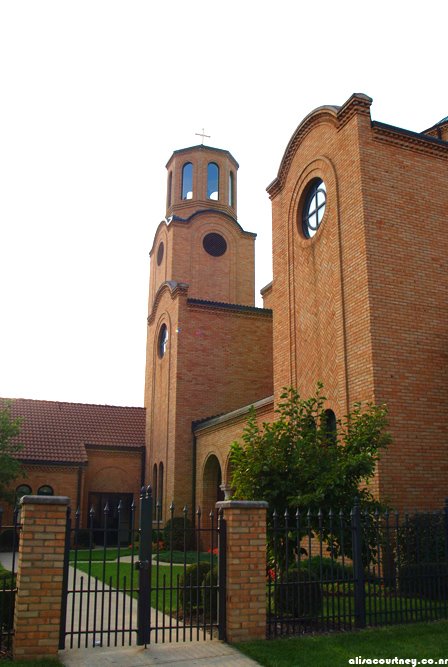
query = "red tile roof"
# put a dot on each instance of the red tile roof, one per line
(58, 432)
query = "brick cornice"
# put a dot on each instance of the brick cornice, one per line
(49, 466)
(421, 143)
(337, 116)
(233, 308)
(173, 288)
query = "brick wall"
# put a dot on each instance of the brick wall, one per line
(246, 569)
(361, 306)
(39, 577)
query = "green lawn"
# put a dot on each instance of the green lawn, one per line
(112, 554)
(125, 577)
(101, 554)
(418, 640)
(32, 663)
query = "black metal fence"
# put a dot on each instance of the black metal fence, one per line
(337, 572)
(9, 546)
(161, 581)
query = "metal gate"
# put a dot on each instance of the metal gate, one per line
(9, 547)
(163, 581)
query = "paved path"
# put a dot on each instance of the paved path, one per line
(197, 654)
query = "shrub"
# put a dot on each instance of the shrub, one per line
(425, 580)
(210, 595)
(298, 594)
(327, 569)
(82, 538)
(8, 540)
(190, 584)
(179, 533)
(7, 601)
(422, 539)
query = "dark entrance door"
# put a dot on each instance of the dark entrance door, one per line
(110, 526)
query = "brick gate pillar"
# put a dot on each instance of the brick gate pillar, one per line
(39, 576)
(246, 569)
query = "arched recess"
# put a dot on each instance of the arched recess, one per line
(154, 491)
(211, 483)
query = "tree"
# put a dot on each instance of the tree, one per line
(303, 461)
(10, 467)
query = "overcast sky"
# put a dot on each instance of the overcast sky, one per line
(94, 98)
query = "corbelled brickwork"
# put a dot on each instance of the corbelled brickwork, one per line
(39, 577)
(246, 569)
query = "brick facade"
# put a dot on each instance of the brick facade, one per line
(39, 577)
(206, 303)
(360, 306)
(246, 569)
(369, 288)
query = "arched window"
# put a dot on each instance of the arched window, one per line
(231, 190)
(162, 342)
(168, 189)
(23, 490)
(187, 181)
(160, 498)
(330, 427)
(154, 491)
(213, 181)
(45, 490)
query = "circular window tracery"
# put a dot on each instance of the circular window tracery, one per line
(314, 207)
(214, 244)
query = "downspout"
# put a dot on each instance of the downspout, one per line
(143, 468)
(193, 477)
(78, 489)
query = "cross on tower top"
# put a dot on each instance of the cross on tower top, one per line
(203, 135)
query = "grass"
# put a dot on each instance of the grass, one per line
(418, 641)
(32, 663)
(124, 577)
(112, 554)
(101, 554)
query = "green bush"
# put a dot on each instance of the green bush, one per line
(190, 586)
(422, 539)
(425, 580)
(8, 540)
(81, 538)
(298, 594)
(7, 600)
(210, 595)
(327, 569)
(179, 533)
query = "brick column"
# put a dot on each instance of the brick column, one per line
(39, 576)
(246, 569)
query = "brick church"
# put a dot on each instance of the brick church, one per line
(357, 301)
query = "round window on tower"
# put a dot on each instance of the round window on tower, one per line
(214, 244)
(313, 207)
(160, 250)
(162, 342)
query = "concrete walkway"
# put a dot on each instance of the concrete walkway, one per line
(202, 654)
(198, 652)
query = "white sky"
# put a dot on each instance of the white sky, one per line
(94, 98)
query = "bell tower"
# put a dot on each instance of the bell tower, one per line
(200, 242)
(201, 328)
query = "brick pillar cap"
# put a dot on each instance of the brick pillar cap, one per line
(243, 504)
(44, 500)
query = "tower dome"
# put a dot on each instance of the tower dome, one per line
(201, 177)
